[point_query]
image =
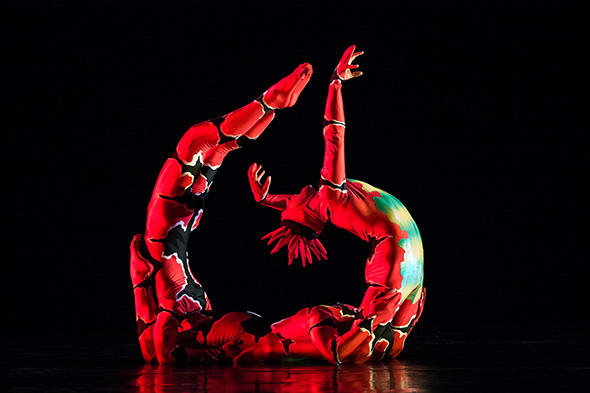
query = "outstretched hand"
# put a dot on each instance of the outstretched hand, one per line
(259, 189)
(344, 68)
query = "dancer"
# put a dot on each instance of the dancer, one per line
(168, 298)
(394, 298)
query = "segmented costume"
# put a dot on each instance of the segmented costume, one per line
(394, 298)
(166, 292)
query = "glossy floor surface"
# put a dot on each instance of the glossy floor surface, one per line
(430, 364)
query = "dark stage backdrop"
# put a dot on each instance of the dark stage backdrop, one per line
(470, 116)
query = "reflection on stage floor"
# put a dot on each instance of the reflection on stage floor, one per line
(441, 364)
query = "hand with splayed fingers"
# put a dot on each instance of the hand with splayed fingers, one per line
(259, 189)
(344, 69)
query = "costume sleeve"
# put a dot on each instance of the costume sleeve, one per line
(278, 202)
(333, 174)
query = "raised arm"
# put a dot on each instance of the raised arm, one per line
(333, 174)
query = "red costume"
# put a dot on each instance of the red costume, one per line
(395, 295)
(168, 298)
(172, 307)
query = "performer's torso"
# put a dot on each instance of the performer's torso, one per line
(381, 219)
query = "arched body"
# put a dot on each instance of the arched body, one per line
(394, 298)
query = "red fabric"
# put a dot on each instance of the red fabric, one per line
(140, 267)
(145, 304)
(165, 335)
(269, 347)
(347, 206)
(381, 302)
(229, 334)
(284, 94)
(146, 344)
(159, 260)
(303, 208)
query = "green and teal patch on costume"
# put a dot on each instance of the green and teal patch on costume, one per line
(412, 267)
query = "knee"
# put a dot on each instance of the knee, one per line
(196, 142)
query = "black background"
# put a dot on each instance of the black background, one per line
(471, 116)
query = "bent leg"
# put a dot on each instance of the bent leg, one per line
(176, 208)
(214, 158)
(177, 199)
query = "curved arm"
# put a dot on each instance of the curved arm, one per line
(278, 201)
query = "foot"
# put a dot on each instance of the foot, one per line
(284, 93)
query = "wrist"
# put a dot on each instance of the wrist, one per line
(335, 78)
(262, 197)
(328, 122)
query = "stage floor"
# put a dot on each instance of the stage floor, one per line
(440, 363)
